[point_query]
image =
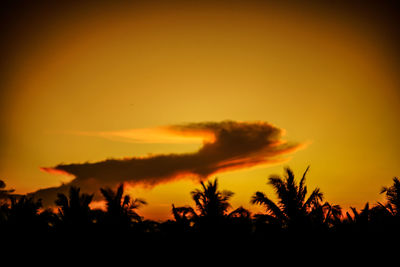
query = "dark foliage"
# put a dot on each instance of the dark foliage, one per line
(294, 215)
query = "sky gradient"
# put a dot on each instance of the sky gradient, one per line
(78, 81)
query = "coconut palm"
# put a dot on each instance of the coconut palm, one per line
(210, 212)
(121, 209)
(393, 197)
(360, 220)
(24, 210)
(74, 210)
(240, 222)
(240, 213)
(5, 194)
(293, 208)
(333, 213)
(184, 215)
(325, 215)
(4, 205)
(210, 202)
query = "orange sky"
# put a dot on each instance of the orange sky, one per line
(79, 84)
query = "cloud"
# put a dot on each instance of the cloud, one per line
(161, 135)
(228, 145)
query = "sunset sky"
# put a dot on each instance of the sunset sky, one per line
(255, 87)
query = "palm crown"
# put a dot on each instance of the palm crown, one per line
(121, 208)
(293, 206)
(75, 208)
(393, 197)
(211, 202)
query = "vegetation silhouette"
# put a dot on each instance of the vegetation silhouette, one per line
(121, 209)
(210, 216)
(4, 193)
(393, 198)
(294, 211)
(74, 212)
(293, 215)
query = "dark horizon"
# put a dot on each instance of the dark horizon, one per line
(293, 210)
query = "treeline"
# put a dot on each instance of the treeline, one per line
(297, 211)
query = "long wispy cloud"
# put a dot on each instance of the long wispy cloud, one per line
(227, 145)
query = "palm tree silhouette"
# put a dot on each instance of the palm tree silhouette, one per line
(184, 216)
(121, 209)
(240, 222)
(23, 216)
(240, 213)
(293, 208)
(361, 216)
(360, 220)
(210, 212)
(393, 197)
(210, 202)
(22, 213)
(74, 210)
(25, 207)
(325, 215)
(4, 199)
(5, 194)
(333, 213)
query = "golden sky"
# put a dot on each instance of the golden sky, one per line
(96, 82)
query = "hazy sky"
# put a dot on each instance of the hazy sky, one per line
(73, 76)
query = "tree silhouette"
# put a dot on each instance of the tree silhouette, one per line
(358, 221)
(4, 198)
(210, 212)
(121, 209)
(324, 216)
(182, 225)
(210, 202)
(393, 197)
(24, 209)
(333, 213)
(240, 222)
(359, 217)
(293, 213)
(74, 210)
(386, 216)
(5, 194)
(184, 217)
(24, 217)
(293, 208)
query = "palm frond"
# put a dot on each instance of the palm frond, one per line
(315, 196)
(302, 191)
(261, 199)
